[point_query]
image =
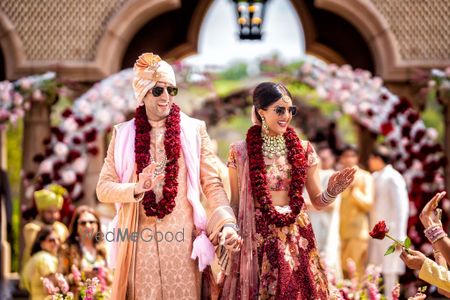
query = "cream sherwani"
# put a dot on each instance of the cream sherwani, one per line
(157, 267)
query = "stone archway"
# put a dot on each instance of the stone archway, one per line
(124, 26)
(365, 17)
(11, 45)
(186, 41)
(367, 32)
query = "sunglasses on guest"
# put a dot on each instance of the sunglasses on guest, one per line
(84, 223)
(158, 90)
(51, 240)
(281, 110)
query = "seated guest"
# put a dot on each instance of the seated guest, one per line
(43, 263)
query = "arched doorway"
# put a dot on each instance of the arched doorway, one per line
(328, 35)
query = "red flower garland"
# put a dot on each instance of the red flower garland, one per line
(260, 191)
(172, 145)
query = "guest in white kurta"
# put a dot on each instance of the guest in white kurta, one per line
(325, 223)
(392, 205)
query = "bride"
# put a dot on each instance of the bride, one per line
(278, 258)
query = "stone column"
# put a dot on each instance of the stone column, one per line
(94, 167)
(36, 128)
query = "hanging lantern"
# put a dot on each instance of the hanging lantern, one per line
(250, 17)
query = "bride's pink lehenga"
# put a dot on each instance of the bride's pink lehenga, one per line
(274, 262)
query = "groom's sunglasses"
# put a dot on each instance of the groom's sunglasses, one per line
(158, 90)
(281, 110)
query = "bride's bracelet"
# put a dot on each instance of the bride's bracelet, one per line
(327, 198)
(434, 233)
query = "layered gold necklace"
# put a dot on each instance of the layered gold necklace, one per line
(273, 146)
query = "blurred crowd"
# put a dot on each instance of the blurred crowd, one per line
(59, 260)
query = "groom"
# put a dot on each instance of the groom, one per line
(156, 167)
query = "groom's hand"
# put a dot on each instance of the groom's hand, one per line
(230, 239)
(147, 179)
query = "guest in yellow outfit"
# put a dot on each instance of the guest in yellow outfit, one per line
(43, 263)
(49, 202)
(356, 202)
(435, 273)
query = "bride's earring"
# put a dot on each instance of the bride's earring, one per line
(265, 126)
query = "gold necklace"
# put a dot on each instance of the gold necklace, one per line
(160, 166)
(273, 146)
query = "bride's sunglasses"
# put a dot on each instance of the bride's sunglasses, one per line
(158, 90)
(281, 110)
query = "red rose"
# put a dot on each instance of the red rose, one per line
(379, 231)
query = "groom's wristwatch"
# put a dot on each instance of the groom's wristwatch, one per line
(232, 225)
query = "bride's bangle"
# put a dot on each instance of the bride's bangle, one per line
(434, 233)
(326, 198)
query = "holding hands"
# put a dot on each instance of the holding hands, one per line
(229, 238)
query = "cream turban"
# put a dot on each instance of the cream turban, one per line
(148, 70)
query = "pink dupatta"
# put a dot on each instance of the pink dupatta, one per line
(242, 280)
(191, 145)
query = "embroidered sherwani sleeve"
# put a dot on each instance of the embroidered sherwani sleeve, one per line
(109, 188)
(217, 203)
(434, 274)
